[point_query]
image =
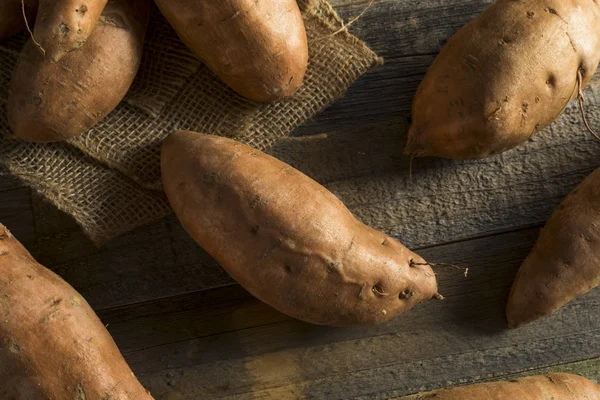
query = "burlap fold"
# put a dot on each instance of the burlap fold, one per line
(108, 179)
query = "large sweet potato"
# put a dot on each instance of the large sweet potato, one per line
(50, 102)
(287, 239)
(557, 386)
(258, 48)
(52, 345)
(565, 261)
(504, 76)
(12, 20)
(64, 25)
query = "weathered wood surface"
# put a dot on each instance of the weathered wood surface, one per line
(190, 333)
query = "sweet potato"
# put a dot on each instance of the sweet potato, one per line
(52, 345)
(541, 387)
(258, 48)
(65, 25)
(285, 238)
(565, 260)
(504, 76)
(11, 16)
(51, 102)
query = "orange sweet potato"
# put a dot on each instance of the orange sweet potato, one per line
(51, 102)
(556, 386)
(62, 26)
(52, 345)
(258, 48)
(285, 238)
(565, 261)
(504, 76)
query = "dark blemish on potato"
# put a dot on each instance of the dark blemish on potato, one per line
(37, 100)
(506, 99)
(351, 243)
(331, 267)
(81, 10)
(495, 116)
(530, 14)
(63, 29)
(384, 242)
(525, 107)
(50, 317)
(406, 294)
(12, 346)
(80, 392)
(255, 202)
(378, 290)
(3, 253)
(211, 177)
(551, 80)
(254, 230)
(537, 99)
(287, 269)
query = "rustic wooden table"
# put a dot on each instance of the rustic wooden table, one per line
(190, 333)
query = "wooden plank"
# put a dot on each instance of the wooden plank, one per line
(223, 344)
(16, 212)
(8, 181)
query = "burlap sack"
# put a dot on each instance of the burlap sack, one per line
(109, 178)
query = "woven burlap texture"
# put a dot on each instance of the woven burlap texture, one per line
(108, 179)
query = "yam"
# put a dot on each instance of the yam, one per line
(286, 239)
(52, 344)
(65, 25)
(565, 261)
(540, 387)
(51, 102)
(258, 48)
(503, 77)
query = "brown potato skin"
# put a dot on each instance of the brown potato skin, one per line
(540, 387)
(504, 76)
(52, 344)
(11, 16)
(258, 48)
(65, 25)
(50, 102)
(285, 238)
(565, 260)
